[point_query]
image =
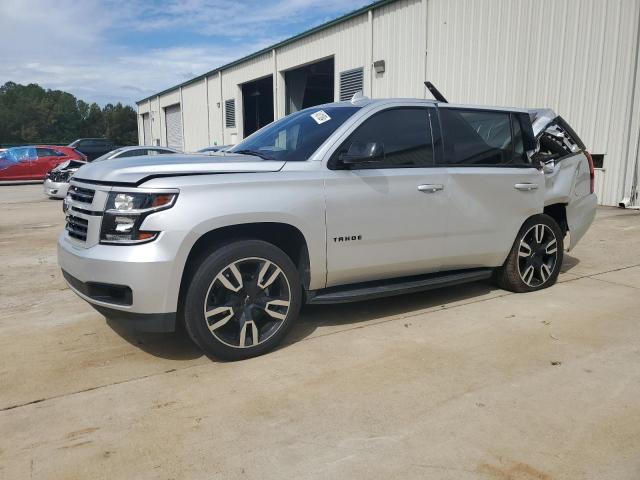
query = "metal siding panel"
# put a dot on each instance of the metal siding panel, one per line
(146, 130)
(215, 114)
(170, 98)
(575, 56)
(399, 38)
(194, 112)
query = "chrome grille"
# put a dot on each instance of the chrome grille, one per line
(82, 195)
(77, 227)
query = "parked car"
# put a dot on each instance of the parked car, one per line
(335, 203)
(33, 162)
(93, 148)
(56, 183)
(214, 148)
(136, 151)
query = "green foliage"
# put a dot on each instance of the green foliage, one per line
(29, 114)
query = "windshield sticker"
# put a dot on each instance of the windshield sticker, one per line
(320, 117)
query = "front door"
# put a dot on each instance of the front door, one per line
(386, 218)
(18, 163)
(492, 186)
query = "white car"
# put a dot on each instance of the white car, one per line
(56, 182)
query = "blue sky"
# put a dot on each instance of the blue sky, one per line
(123, 50)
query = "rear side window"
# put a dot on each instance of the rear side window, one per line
(481, 138)
(133, 153)
(403, 133)
(46, 152)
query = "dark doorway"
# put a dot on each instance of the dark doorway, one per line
(309, 85)
(257, 104)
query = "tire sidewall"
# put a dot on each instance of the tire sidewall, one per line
(204, 275)
(513, 279)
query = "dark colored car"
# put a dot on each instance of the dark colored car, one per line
(93, 148)
(34, 162)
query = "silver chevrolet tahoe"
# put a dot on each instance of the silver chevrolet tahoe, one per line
(336, 203)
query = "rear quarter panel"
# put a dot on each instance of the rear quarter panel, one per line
(570, 184)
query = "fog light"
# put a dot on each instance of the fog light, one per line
(124, 224)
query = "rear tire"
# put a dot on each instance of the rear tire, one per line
(535, 258)
(242, 300)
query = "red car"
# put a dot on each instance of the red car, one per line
(34, 162)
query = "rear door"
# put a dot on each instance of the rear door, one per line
(386, 219)
(493, 188)
(47, 160)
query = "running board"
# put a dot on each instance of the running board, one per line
(396, 286)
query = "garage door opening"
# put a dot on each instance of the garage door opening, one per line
(309, 85)
(257, 104)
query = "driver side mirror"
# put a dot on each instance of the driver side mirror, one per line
(548, 166)
(360, 152)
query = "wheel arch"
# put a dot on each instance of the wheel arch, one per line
(558, 211)
(283, 235)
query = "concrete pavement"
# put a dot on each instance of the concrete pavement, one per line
(470, 382)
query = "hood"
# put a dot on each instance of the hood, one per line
(69, 164)
(136, 170)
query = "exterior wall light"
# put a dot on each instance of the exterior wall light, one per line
(379, 66)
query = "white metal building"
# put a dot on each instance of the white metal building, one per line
(579, 57)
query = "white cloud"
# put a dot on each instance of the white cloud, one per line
(77, 46)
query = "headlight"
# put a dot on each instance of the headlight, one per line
(125, 212)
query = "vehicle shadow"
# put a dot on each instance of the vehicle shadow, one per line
(178, 345)
(171, 346)
(357, 313)
(568, 262)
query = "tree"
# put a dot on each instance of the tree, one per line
(31, 114)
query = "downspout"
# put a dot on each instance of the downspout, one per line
(630, 200)
(182, 120)
(206, 87)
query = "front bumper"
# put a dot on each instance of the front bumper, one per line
(138, 283)
(55, 189)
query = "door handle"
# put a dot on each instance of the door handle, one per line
(526, 187)
(430, 188)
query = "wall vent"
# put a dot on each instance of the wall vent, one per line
(350, 83)
(230, 113)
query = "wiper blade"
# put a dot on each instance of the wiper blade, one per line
(255, 153)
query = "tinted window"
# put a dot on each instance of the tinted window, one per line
(297, 136)
(158, 152)
(46, 152)
(476, 137)
(132, 153)
(403, 133)
(20, 154)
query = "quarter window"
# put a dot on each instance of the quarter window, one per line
(46, 152)
(404, 134)
(481, 138)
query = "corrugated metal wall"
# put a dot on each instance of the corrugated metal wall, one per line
(194, 106)
(399, 38)
(579, 57)
(575, 56)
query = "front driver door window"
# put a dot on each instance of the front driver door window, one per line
(382, 222)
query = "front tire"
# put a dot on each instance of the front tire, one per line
(535, 259)
(242, 300)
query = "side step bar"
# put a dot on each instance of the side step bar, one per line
(396, 286)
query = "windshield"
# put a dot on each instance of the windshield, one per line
(296, 136)
(108, 155)
(18, 154)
